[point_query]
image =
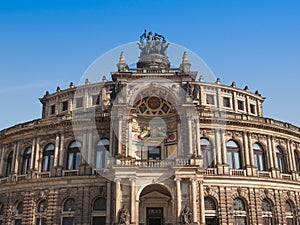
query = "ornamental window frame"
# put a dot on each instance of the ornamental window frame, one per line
(102, 153)
(74, 155)
(207, 152)
(48, 157)
(98, 212)
(26, 161)
(234, 154)
(259, 157)
(281, 159)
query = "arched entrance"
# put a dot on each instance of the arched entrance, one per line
(155, 205)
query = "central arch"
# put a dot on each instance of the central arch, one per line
(156, 205)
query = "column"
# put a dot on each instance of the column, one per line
(178, 194)
(56, 159)
(179, 133)
(292, 161)
(17, 158)
(251, 153)
(84, 147)
(274, 153)
(32, 154)
(108, 202)
(190, 135)
(1, 160)
(270, 152)
(61, 150)
(194, 199)
(118, 197)
(202, 207)
(90, 149)
(223, 146)
(218, 147)
(12, 169)
(119, 136)
(37, 160)
(129, 144)
(198, 136)
(246, 148)
(133, 200)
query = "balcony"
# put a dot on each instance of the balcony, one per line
(70, 173)
(235, 172)
(264, 174)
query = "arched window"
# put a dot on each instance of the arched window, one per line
(74, 156)
(280, 160)
(233, 155)
(259, 157)
(297, 159)
(290, 213)
(211, 212)
(19, 211)
(41, 213)
(68, 214)
(99, 211)
(102, 152)
(240, 213)
(69, 205)
(1, 213)
(9, 162)
(26, 161)
(48, 157)
(206, 153)
(267, 212)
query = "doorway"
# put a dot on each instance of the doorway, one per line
(154, 216)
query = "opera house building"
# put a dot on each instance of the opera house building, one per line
(151, 145)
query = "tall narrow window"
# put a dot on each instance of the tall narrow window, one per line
(259, 157)
(241, 105)
(19, 212)
(102, 153)
(74, 156)
(211, 213)
(206, 153)
(41, 213)
(26, 161)
(297, 159)
(68, 212)
(226, 102)
(9, 161)
(280, 160)
(233, 154)
(240, 212)
(290, 213)
(99, 211)
(267, 212)
(48, 157)
(64, 106)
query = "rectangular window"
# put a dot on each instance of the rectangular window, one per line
(226, 102)
(252, 109)
(52, 109)
(154, 153)
(99, 220)
(68, 221)
(241, 105)
(210, 99)
(95, 99)
(64, 106)
(79, 102)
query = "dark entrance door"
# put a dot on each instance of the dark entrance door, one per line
(211, 221)
(154, 216)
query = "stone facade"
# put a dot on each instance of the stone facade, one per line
(152, 146)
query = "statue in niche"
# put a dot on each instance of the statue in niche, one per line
(186, 215)
(123, 216)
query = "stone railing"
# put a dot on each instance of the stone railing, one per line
(264, 174)
(70, 173)
(235, 172)
(286, 176)
(156, 163)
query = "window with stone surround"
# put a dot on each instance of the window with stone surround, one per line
(26, 160)
(206, 153)
(52, 109)
(74, 155)
(226, 102)
(297, 160)
(48, 158)
(102, 153)
(241, 105)
(259, 157)
(267, 212)
(233, 155)
(64, 106)
(210, 99)
(79, 102)
(281, 160)
(240, 212)
(9, 164)
(252, 108)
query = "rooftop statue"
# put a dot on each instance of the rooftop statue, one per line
(152, 44)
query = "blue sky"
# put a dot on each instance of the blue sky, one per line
(46, 43)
